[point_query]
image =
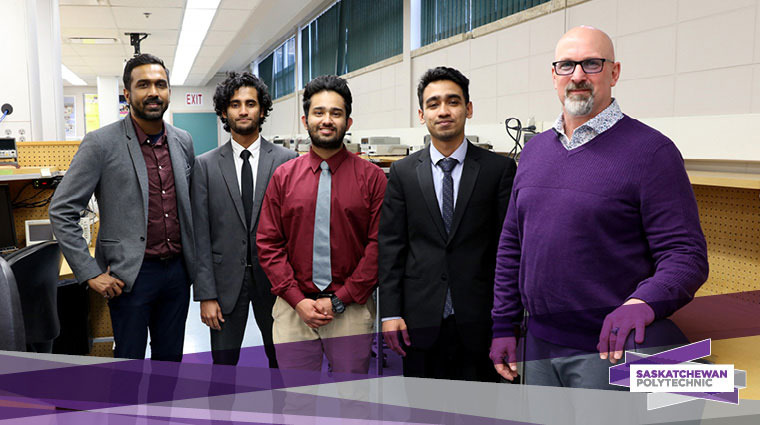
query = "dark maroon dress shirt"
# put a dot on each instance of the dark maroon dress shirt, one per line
(285, 236)
(163, 239)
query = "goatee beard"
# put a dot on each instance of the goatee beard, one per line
(576, 105)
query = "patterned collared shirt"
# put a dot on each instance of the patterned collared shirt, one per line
(590, 129)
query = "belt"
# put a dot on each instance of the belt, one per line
(162, 258)
(318, 295)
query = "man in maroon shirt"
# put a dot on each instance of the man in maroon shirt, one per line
(139, 170)
(317, 241)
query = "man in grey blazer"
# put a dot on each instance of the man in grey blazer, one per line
(227, 188)
(139, 169)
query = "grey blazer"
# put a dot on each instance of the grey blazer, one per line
(110, 164)
(220, 232)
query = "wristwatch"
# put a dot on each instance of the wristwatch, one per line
(337, 304)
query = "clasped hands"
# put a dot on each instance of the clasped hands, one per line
(315, 313)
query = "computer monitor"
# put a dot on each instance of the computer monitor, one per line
(38, 231)
(7, 226)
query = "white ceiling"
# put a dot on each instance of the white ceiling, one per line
(241, 31)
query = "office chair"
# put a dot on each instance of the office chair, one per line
(36, 269)
(12, 336)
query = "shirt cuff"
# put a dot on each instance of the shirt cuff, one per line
(344, 296)
(293, 296)
(385, 319)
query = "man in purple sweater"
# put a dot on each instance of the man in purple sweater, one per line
(602, 235)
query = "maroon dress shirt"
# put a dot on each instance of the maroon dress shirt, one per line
(163, 239)
(285, 234)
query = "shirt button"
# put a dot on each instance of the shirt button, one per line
(168, 240)
(166, 215)
(160, 167)
(163, 192)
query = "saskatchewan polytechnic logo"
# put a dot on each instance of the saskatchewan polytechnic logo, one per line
(672, 377)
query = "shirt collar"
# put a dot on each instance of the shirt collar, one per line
(597, 125)
(333, 162)
(459, 154)
(237, 149)
(142, 137)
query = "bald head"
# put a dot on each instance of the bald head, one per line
(584, 92)
(588, 38)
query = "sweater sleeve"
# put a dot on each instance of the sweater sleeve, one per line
(671, 226)
(507, 305)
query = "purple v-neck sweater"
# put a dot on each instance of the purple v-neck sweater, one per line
(589, 228)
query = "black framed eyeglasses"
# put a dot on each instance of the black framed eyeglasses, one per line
(590, 66)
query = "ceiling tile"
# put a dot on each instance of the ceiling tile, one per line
(86, 17)
(239, 4)
(75, 31)
(161, 18)
(219, 38)
(229, 20)
(104, 50)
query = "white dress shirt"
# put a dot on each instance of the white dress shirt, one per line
(254, 149)
(456, 172)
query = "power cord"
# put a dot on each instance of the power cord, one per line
(518, 130)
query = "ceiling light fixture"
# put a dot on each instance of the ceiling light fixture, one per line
(71, 77)
(195, 25)
(92, 40)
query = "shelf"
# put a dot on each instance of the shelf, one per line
(723, 179)
(28, 173)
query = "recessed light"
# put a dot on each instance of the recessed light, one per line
(92, 40)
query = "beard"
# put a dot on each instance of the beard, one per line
(579, 105)
(331, 143)
(244, 130)
(139, 110)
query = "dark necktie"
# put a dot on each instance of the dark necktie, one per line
(447, 213)
(246, 190)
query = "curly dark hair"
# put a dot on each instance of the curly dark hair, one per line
(327, 83)
(444, 73)
(139, 60)
(226, 89)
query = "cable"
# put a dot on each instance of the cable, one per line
(518, 131)
(5, 114)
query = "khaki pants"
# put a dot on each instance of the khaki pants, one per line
(346, 340)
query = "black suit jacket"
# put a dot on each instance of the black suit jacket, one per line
(418, 261)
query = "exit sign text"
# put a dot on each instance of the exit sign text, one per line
(194, 99)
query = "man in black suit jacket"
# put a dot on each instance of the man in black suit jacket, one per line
(229, 274)
(440, 223)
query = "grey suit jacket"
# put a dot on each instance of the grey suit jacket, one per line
(110, 164)
(220, 232)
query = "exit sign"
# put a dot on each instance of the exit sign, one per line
(194, 99)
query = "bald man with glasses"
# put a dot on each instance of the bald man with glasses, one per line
(602, 236)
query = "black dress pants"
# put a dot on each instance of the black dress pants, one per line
(226, 343)
(449, 358)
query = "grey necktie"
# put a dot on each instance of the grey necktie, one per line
(447, 213)
(321, 268)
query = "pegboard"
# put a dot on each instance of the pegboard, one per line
(100, 316)
(102, 349)
(46, 154)
(730, 219)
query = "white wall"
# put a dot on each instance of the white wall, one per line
(691, 68)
